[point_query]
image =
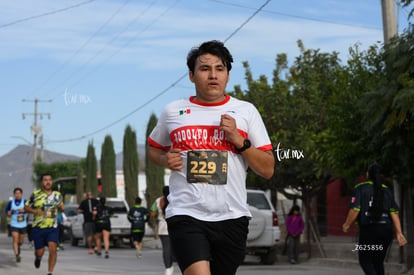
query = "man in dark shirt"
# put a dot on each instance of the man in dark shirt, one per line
(138, 216)
(373, 206)
(87, 207)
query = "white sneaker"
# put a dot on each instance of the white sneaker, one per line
(169, 271)
(138, 252)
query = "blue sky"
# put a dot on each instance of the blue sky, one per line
(106, 64)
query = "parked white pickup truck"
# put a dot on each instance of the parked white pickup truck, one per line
(264, 231)
(120, 226)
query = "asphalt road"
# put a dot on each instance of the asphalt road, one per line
(75, 260)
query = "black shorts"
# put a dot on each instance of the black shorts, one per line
(222, 243)
(21, 231)
(102, 226)
(137, 236)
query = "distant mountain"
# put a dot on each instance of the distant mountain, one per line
(16, 167)
(141, 158)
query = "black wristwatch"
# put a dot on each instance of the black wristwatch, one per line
(246, 145)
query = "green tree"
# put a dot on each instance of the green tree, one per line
(405, 4)
(390, 109)
(370, 119)
(80, 185)
(65, 172)
(349, 146)
(130, 165)
(108, 168)
(154, 173)
(294, 109)
(91, 170)
(3, 216)
(269, 100)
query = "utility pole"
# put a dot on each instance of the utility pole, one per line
(389, 23)
(35, 128)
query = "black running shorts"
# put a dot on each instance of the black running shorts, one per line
(222, 243)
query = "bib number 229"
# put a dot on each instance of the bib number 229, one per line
(207, 167)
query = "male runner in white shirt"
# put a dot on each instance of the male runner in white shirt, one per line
(209, 141)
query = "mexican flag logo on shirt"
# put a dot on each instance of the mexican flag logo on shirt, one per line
(185, 111)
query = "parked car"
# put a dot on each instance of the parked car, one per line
(264, 231)
(71, 210)
(120, 226)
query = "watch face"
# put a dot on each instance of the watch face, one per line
(246, 143)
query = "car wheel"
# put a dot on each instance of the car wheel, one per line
(117, 242)
(269, 258)
(67, 234)
(74, 241)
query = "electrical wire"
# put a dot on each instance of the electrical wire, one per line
(93, 57)
(296, 16)
(45, 14)
(160, 93)
(129, 41)
(81, 47)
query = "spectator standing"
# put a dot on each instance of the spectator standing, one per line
(86, 207)
(294, 227)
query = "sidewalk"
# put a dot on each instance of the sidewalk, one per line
(339, 252)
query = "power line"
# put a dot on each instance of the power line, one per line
(45, 14)
(123, 117)
(160, 93)
(103, 48)
(246, 21)
(83, 45)
(295, 16)
(129, 41)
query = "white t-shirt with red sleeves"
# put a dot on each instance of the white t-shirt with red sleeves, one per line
(194, 126)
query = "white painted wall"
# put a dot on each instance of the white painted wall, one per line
(142, 184)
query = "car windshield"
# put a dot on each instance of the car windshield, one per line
(257, 200)
(117, 206)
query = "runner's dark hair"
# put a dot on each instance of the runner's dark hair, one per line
(213, 47)
(44, 175)
(295, 207)
(18, 189)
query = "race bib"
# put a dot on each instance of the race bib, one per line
(49, 211)
(209, 167)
